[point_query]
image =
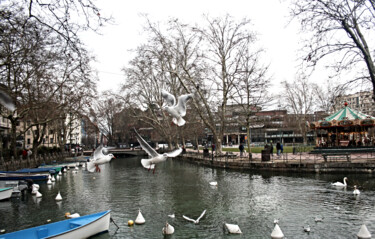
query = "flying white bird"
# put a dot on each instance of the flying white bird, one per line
(195, 221)
(176, 110)
(6, 101)
(100, 156)
(154, 156)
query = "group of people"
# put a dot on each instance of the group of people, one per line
(279, 148)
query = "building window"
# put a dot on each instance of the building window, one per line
(51, 140)
(28, 141)
(28, 132)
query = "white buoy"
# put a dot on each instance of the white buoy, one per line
(140, 219)
(307, 228)
(84, 165)
(35, 185)
(60, 173)
(76, 168)
(64, 170)
(38, 194)
(49, 176)
(58, 197)
(363, 233)
(233, 228)
(53, 179)
(277, 233)
(168, 229)
(49, 182)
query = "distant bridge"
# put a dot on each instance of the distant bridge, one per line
(122, 152)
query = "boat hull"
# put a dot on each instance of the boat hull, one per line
(22, 176)
(5, 193)
(81, 227)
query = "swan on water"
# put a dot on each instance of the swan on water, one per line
(340, 184)
(168, 229)
(356, 191)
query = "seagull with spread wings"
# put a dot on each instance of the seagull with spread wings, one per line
(155, 158)
(100, 156)
(176, 110)
(195, 221)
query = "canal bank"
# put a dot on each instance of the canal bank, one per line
(298, 163)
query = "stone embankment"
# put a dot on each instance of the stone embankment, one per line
(298, 163)
(32, 162)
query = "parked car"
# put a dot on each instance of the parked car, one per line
(189, 145)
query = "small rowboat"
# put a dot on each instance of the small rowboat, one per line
(5, 193)
(80, 227)
(23, 176)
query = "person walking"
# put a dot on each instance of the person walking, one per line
(278, 148)
(241, 147)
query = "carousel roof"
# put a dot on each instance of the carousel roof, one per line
(347, 113)
(343, 118)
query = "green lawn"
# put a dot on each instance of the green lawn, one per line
(287, 149)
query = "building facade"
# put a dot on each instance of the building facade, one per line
(361, 101)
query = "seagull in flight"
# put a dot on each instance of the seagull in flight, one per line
(176, 110)
(195, 221)
(155, 158)
(100, 156)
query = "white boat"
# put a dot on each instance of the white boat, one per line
(80, 227)
(5, 193)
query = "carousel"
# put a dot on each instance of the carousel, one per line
(345, 128)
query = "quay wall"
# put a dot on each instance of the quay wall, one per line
(297, 166)
(31, 162)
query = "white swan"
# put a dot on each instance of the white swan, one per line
(168, 229)
(356, 191)
(195, 221)
(155, 157)
(233, 228)
(340, 184)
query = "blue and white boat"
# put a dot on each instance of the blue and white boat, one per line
(23, 176)
(6, 193)
(80, 227)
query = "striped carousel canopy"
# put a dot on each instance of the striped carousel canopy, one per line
(348, 113)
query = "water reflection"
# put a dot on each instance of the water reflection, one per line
(250, 199)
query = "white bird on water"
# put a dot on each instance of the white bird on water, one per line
(340, 184)
(356, 190)
(168, 229)
(177, 111)
(233, 228)
(155, 158)
(195, 221)
(306, 228)
(100, 156)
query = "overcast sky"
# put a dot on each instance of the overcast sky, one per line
(269, 19)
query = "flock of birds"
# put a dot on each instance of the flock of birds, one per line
(177, 110)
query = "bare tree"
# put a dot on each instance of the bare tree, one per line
(342, 30)
(299, 98)
(251, 89)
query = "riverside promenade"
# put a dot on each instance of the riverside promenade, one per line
(286, 162)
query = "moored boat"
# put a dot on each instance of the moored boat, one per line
(50, 170)
(19, 186)
(5, 193)
(23, 176)
(80, 227)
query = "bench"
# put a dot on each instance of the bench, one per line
(335, 156)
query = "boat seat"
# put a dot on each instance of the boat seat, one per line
(42, 232)
(74, 225)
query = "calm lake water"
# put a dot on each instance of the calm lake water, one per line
(251, 200)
